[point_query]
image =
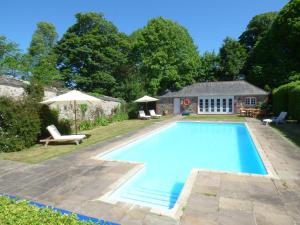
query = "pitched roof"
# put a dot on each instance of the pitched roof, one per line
(239, 87)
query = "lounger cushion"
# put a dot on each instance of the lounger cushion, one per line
(72, 137)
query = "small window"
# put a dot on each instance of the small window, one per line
(250, 101)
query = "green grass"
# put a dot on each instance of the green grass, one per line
(235, 118)
(20, 212)
(40, 153)
(290, 131)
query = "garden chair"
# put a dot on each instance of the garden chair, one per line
(153, 114)
(143, 116)
(57, 137)
(276, 120)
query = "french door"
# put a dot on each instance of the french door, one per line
(215, 105)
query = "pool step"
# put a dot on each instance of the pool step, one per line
(152, 197)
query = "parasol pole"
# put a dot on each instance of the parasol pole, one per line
(75, 117)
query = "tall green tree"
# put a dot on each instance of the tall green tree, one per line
(232, 59)
(41, 56)
(209, 68)
(43, 40)
(91, 53)
(275, 60)
(257, 29)
(165, 55)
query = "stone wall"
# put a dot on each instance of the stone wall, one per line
(239, 101)
(11, 87)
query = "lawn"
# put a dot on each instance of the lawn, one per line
(235, 118)
(290, 131)
(40, 153)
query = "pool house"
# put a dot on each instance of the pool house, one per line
(222, 97)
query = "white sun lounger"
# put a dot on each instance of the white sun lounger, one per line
(143, 116)
(276, 120)
(57, 137)
(153, 114)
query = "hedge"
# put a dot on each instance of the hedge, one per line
(20, 212)
(19, 125)
(285, 98)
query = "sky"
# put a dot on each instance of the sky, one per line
(208, 21)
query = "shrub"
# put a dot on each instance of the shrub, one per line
(294, 103)
(101, 121)
(132, 110)
(286, 98)
(50, 116)
(86, 125)
(20, 212)
(19, 124)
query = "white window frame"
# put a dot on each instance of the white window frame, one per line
(249, 101)
(214, 111)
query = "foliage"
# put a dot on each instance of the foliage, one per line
(210, 67)
(294, 100)
(43, 41)
(165, 55)
(256, 29)
(118, 114)
(232, 59)
(132, 110)
(91, 52)
(12, 62)
(19, 125)
(20, 212)
(50, 116)
(276, 57)
(285, 98)
(41, 56)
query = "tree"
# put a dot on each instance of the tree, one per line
(43, 40)
(256, 29)
(165, 56)
(41, 57)
(10, 57)
(232, 59)
(91, 53)
(275, 60)
(209, 68)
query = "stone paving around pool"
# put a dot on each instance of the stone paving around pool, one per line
(74, 182)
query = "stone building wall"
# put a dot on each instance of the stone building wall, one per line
(14, 88)
(166, 104)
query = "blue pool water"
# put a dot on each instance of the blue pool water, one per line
(171, 154)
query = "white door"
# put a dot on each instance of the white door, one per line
(176, 105)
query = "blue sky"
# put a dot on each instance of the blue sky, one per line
(208, 21)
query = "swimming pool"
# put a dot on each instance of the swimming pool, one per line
(170, 154)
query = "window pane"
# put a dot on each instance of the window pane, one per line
(212, 105)
(230, 104)
(253, 101)
(224, 104)
(206, 105)
(201, 105)
(218, 104)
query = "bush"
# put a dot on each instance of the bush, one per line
(20, 212)
(132, 110)
(86, 125)
(294, 103)
(285, 98)
(50, 116)
(101, 121)
(19, 124)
